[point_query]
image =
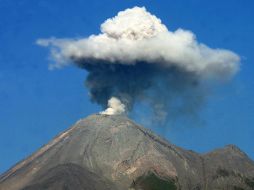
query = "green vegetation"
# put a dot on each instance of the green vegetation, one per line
(249, 182)
(238, 188)
(151, 181)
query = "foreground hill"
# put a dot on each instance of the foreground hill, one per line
(113, 153)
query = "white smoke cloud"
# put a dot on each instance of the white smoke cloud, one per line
(137, 59)
(134, 36)
(115, 107)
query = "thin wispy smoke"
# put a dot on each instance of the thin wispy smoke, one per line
(136, 58)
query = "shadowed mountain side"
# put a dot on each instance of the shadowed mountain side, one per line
(114, 150)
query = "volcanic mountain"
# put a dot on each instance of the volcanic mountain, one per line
(105, 152)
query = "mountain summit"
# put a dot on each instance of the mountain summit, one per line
(105, 152)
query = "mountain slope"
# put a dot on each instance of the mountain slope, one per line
(69, 176)
(116, 153)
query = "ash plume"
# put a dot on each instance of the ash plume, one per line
(136, 59)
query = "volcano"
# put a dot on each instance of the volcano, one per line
(103, 152)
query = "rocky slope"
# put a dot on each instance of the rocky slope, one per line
(112, 152)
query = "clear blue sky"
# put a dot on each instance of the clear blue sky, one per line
(36, 104)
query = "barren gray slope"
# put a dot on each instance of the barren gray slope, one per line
(120, 151)
(69, 176)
